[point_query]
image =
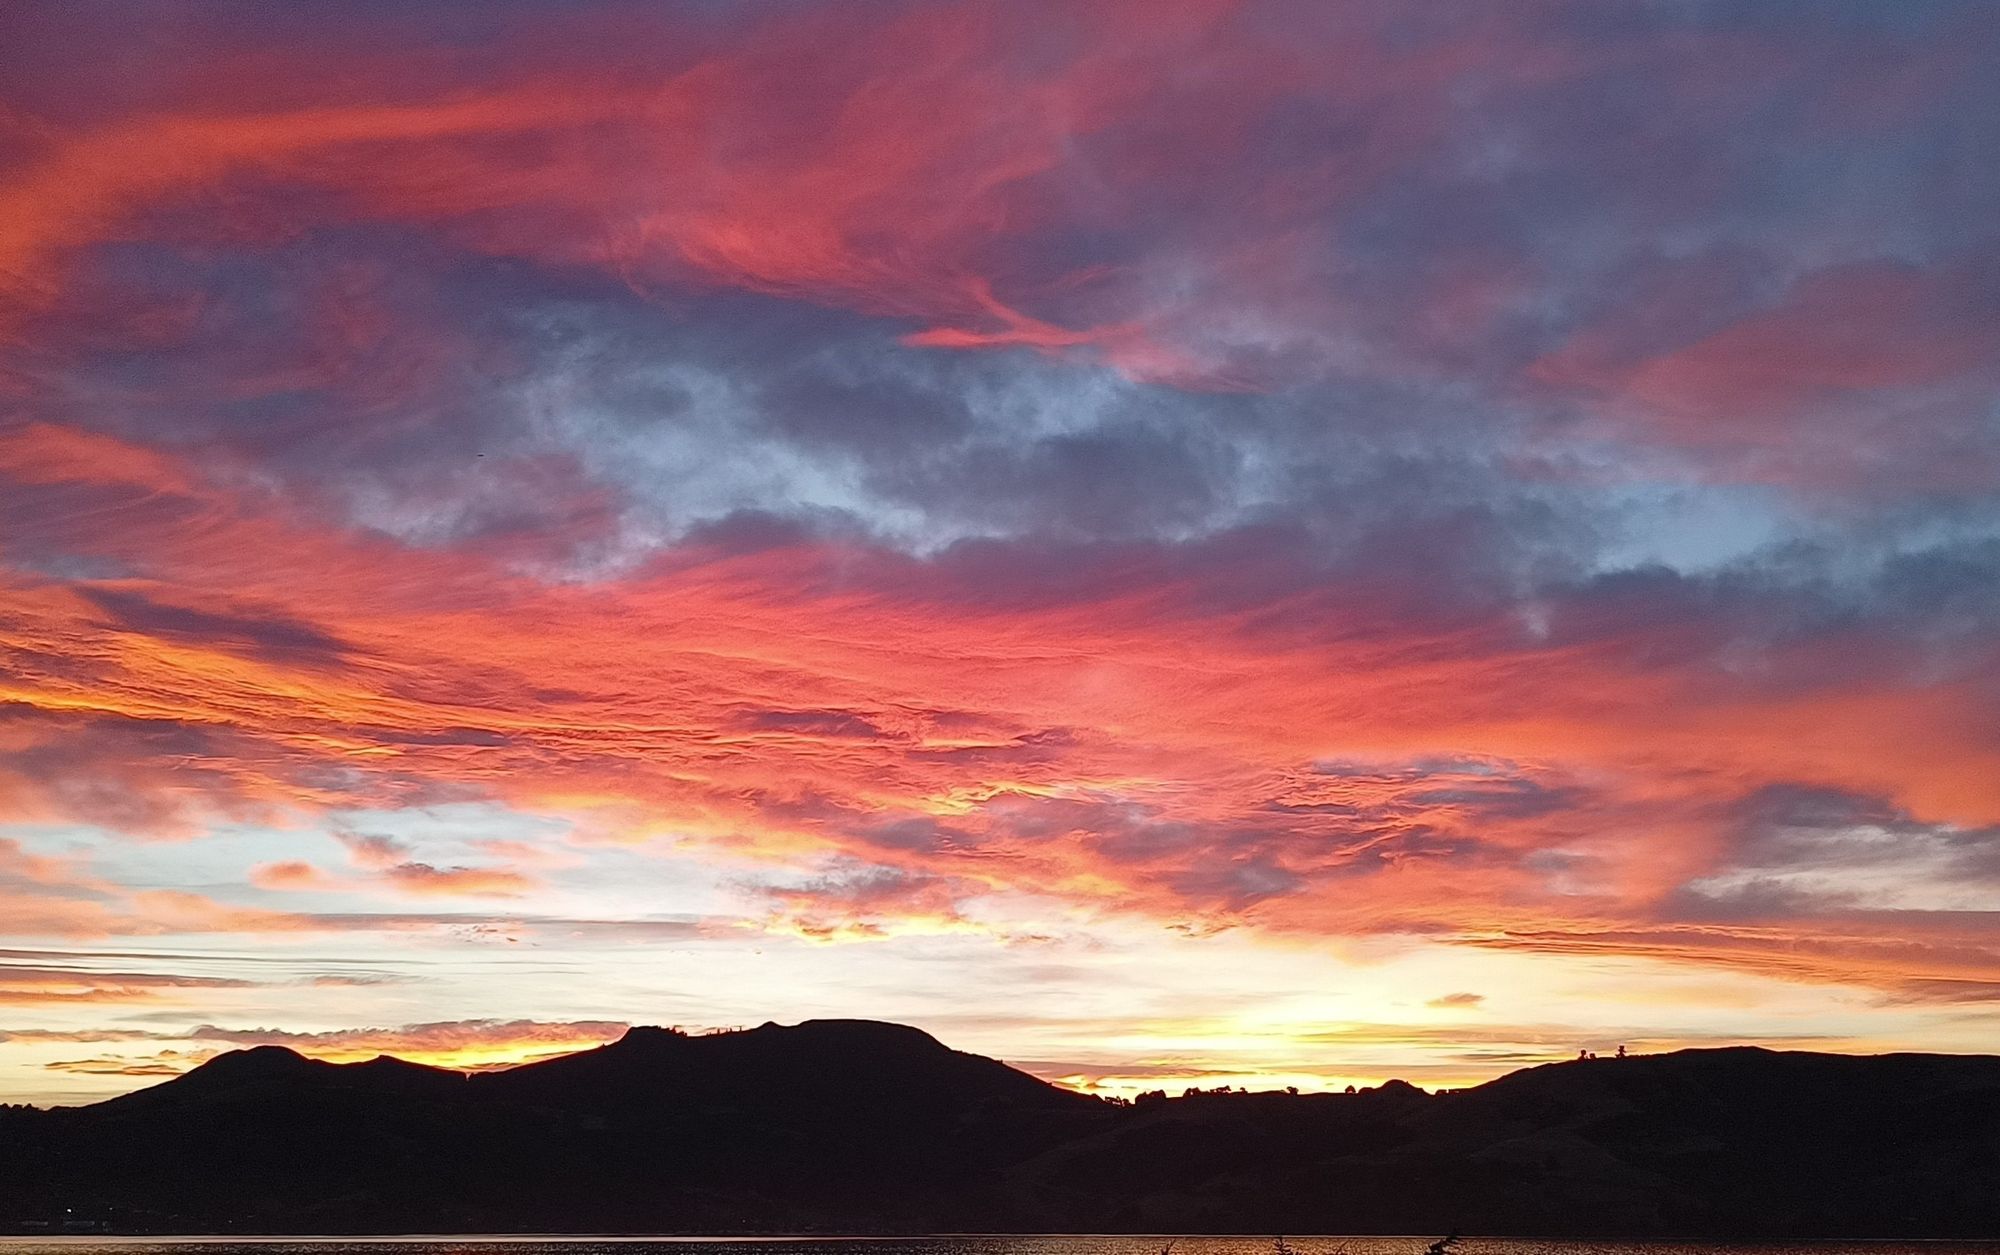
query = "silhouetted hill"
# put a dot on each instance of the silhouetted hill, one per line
(853, 1126)
(273, 1073)
(820, 1065)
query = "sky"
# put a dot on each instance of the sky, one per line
(1170, 542)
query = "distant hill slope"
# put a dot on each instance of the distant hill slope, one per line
(855, 1126)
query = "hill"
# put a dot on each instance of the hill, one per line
(856, 1126)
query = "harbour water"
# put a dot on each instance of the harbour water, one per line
(1067, 1244)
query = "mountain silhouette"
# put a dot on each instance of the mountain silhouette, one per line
(850, 1126)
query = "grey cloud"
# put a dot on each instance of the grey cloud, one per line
(265, 633)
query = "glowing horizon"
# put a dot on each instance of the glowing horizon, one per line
(470, 1046)
(1220, 541)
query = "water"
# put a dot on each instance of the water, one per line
(1078, 1244)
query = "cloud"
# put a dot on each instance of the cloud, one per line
(267, 636)
(1187, 748)
(388, 861)
(1906, 956)
(373, 851)
(835, 724)
(858, 901)
(48, 897)
(471, 1045)
(1523, 481)
(93, 1036)
(288, 875)
(481, 1041)
(57, 984)
(1863, 349)
(166, 1063)
(422, 878)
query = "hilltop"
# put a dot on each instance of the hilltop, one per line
(858, 1126)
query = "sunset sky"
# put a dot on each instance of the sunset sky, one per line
(1166, 541)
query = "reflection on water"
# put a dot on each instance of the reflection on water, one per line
(1083, 1244)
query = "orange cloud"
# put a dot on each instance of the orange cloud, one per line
(1456, 1000)
(288, 875)
(866, 160)
(422, 878)
(468, 1045)
(1228, 730)
(38, 984)
(1127, 755)
(164, 1063)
